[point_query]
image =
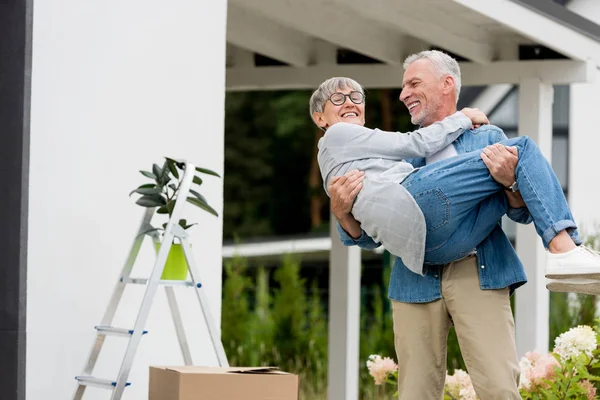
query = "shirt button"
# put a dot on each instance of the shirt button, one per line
(483, 266)
(435, 276)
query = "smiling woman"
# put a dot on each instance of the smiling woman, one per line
(432, 214)
(338, 100)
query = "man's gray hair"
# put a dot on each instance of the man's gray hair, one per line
(443, 64)
(327, 88)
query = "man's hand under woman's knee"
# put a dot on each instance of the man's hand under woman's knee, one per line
(502, 161)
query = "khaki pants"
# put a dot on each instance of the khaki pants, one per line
(486, 333)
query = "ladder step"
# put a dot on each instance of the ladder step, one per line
(110, 330)
(97, 382)
(144, 281)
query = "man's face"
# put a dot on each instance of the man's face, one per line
(348, 111)
(423, 91)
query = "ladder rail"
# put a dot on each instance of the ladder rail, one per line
(177, 320)
(143, 313)
(126, 271)
(215, 335)
(153, 282)
(179, 330)
(114, 302)
(172, 230)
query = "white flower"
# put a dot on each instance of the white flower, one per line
(459, 386)
(380, 368)
(526, 367)
(468, 393)
(575, 341)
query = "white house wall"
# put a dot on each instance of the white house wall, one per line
(584, 139)
(115, 87)
(584, 142)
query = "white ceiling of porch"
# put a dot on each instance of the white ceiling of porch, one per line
(306, 35)
(294, 31)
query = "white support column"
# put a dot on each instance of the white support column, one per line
(584, 142)
(533, 300)
(344, 318)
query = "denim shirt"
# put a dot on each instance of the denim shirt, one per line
(499, 266)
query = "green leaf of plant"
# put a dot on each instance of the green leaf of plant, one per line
(171, 166)
(172, 186)
(189, 226)
(149, 175)
(149, 231)
(202, 205)
(198, 195)
(165, 176)
(171, 206)
(153, 190)
(167, 208)
(207, 172)
(156, 170)
(145, 186)
(182, 222)
(152, 200)
(178, 163)
(197, 180)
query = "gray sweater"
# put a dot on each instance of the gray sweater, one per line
(386, 210)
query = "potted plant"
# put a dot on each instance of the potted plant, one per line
(162, 193)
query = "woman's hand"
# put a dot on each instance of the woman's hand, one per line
(476, 116)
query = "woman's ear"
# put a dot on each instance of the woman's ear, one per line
(319, 120)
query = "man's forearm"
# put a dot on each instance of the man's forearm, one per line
(350, 225)
(515, 200)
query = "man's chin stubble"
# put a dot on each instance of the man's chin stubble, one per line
(416, 121)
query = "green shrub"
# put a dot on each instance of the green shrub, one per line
(285, 324)
(236, 316)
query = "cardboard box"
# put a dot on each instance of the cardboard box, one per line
(213, 383)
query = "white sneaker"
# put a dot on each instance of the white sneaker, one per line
(575, 285)
(581, 262)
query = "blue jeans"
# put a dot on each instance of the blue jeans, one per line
(462, 203)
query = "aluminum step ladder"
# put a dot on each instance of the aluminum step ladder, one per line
(172, 230)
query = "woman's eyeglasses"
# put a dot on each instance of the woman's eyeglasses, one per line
(337, 99)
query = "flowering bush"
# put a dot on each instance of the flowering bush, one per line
(565, 373)
(459, 386)
(382, 369)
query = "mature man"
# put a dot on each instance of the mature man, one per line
(472, 293)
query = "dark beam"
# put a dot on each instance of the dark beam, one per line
(15, 89)
(559, 13)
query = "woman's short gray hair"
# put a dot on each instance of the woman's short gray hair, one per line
(327, 88)
(442, 62)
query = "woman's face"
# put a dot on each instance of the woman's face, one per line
(346, 111)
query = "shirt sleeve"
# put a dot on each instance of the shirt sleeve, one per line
(364, 241)
(349, 142)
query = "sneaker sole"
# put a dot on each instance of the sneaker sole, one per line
(583, 288)
(594, 275)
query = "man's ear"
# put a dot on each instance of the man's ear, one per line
(319, 120)
(449, 84)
